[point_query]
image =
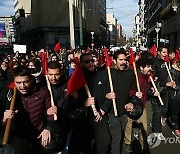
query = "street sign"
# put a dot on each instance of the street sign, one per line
(157, 30)
(92, 33)
(167, 41)
(155, 40)
(162, 40)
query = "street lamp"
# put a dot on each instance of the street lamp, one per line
(174, 7)
(157, 29)
(92, 38)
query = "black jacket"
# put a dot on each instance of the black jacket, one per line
(124, 82)
(160, 71)
(98, 84)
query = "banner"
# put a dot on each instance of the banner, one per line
(20, 48)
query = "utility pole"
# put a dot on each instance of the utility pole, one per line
(80, 24)
(71, 21)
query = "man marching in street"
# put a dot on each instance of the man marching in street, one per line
(30, 120)
(58, 85)
(124, 86)
(144, 66)
(164, 85)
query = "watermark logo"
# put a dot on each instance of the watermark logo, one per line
(153, 141)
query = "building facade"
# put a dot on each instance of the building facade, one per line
(46, 21)
(120, 37)
(170, 32)
(112, 34)
(162, 23)
(7, 30)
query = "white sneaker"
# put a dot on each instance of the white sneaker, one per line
(163, 121)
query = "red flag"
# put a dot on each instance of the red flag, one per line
(88, 50)
(166, 59)
(44, 62)
(108, 58)
(77, 79)
(57, 47)
(153, 50)
(101, 60)
(132, 58)
(177, 57)
(11, 85)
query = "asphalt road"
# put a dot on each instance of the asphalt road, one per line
(170, 146)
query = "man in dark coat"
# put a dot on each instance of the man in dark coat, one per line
(58, 85)
(164, 85)
(30, 119)
(124, 86)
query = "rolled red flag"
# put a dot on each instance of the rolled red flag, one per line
(57, 47)
(44, 62)
(132, 58)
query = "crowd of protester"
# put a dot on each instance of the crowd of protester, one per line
(41, 77)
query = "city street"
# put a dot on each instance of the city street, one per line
(170, 146)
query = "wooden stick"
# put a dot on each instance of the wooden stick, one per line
(89, 95)
(170, 76)
(155, 88)
(52, 100)
(9, 120)
(137, 80)
(112, 90)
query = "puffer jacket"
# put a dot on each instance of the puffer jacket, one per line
(36, 105)
(31, 117)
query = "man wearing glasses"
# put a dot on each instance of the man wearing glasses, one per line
(93, 127)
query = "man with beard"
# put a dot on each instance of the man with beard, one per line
(160, 112)
(30, 120)
(144, 71)
(91, 126)
(124, 86)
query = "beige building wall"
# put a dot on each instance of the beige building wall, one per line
(111, 19)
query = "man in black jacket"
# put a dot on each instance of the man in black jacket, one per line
(92, 126)
(29, 116)
(98, 85)
(109, 129)
(124, 86)
(58, 85)
(160, 112)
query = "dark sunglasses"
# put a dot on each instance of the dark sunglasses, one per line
(88, 61)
